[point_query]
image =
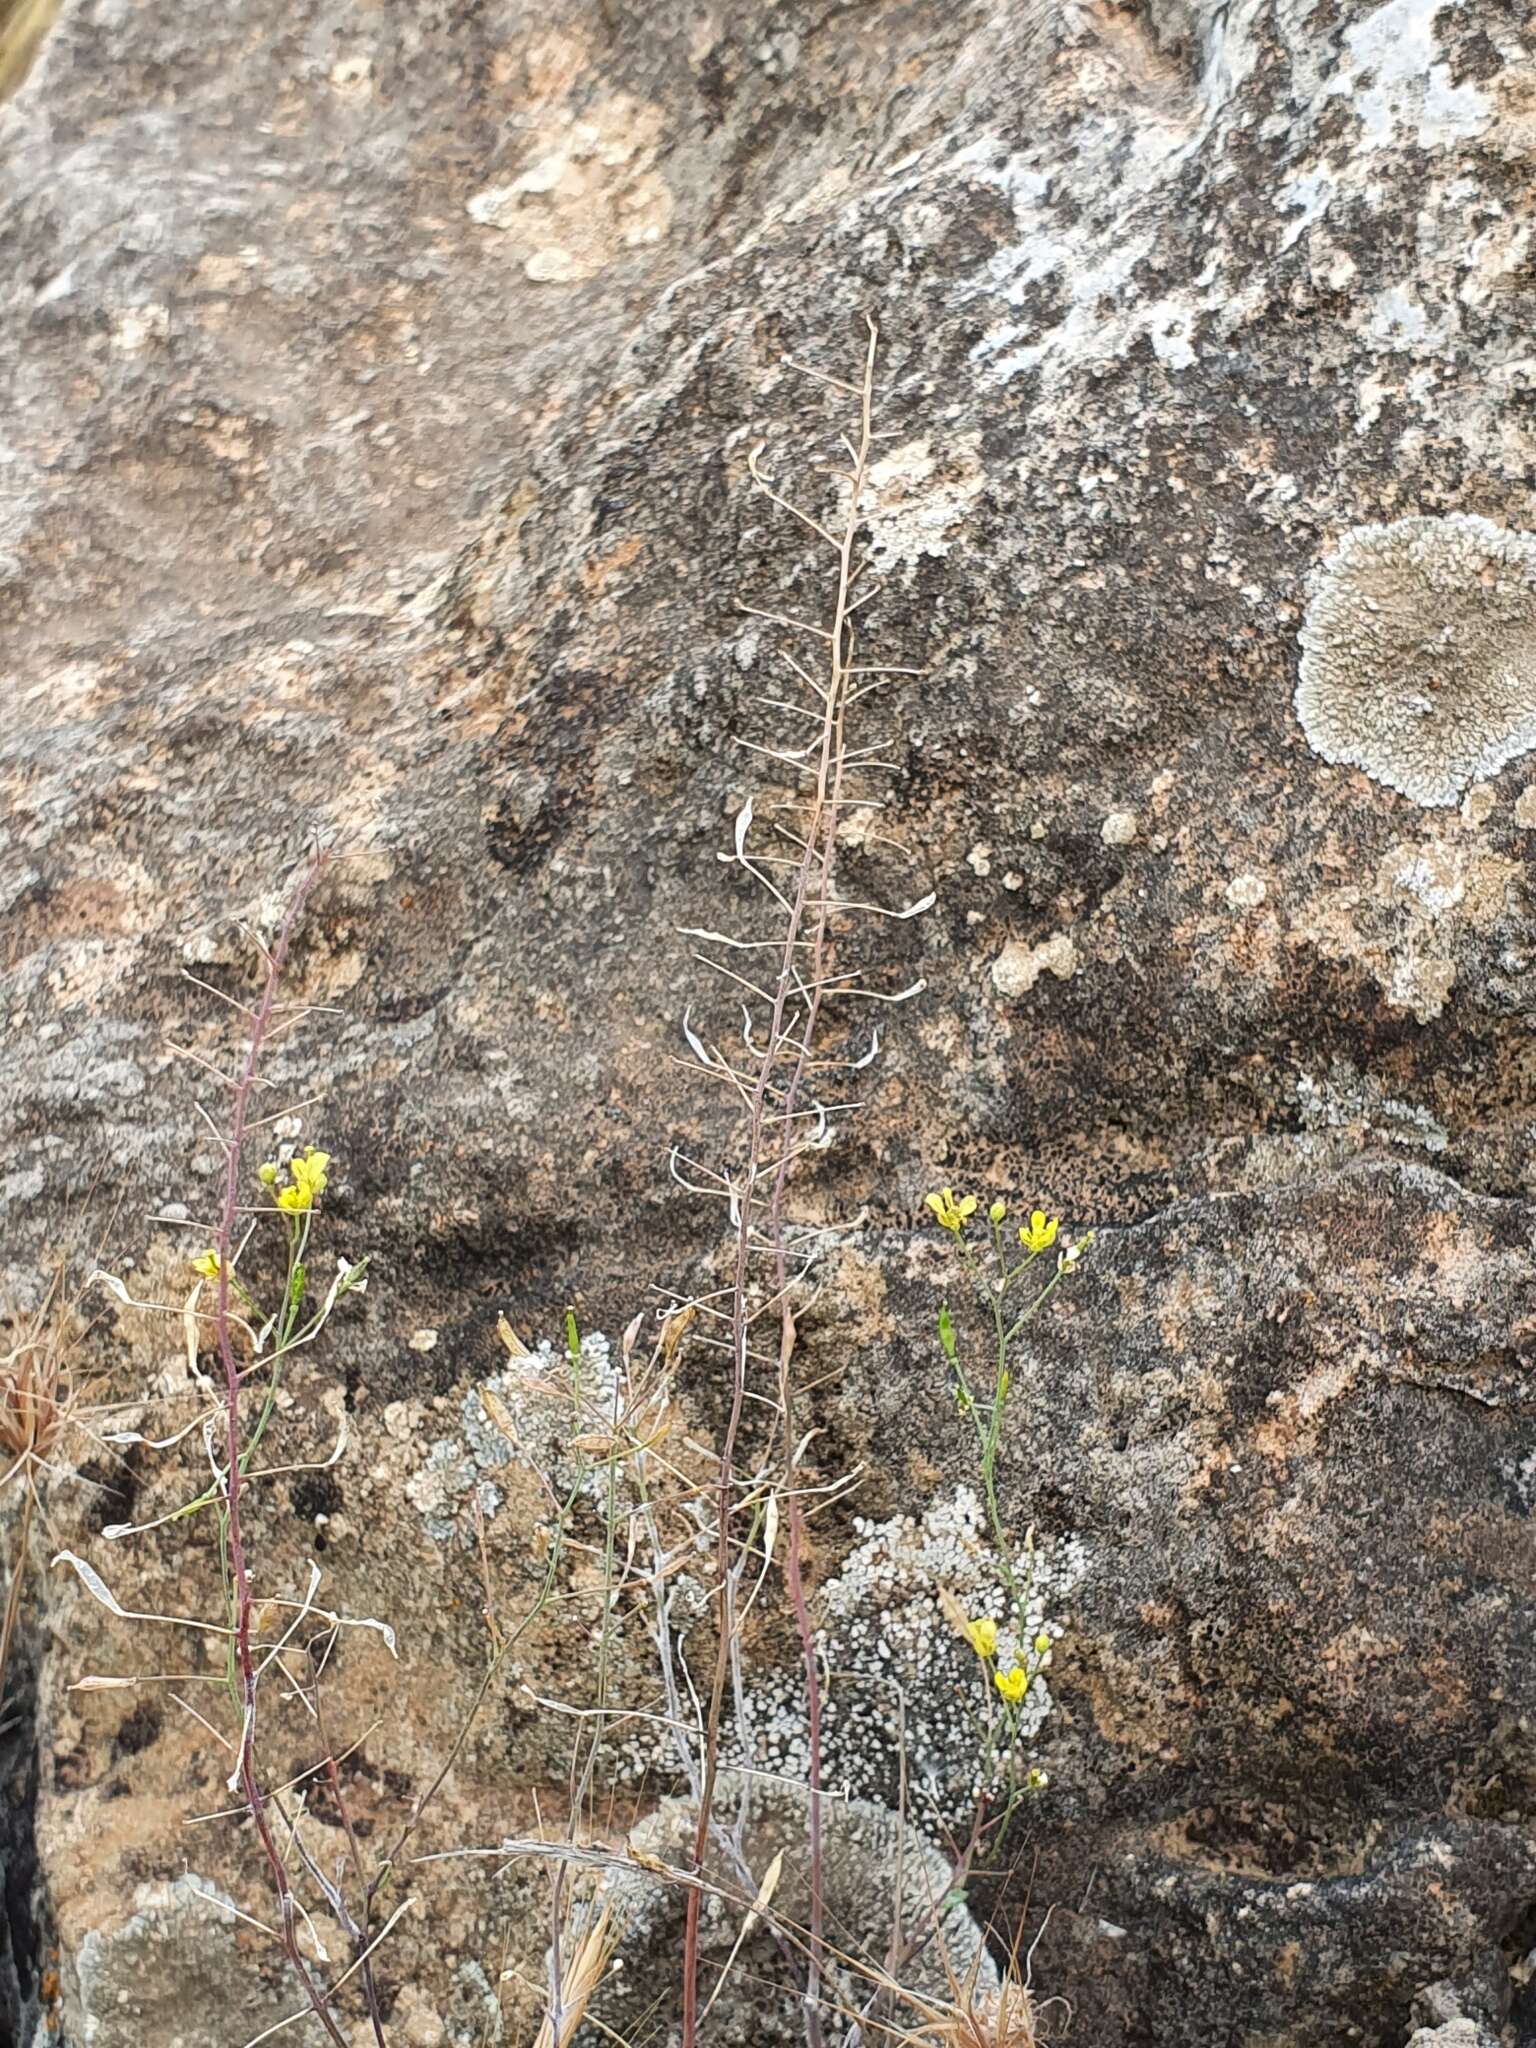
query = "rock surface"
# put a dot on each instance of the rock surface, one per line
(381, 387)
(165, 1973)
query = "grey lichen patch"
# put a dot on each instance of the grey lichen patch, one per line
(921, 495)
(879, 1874)
(588, 193)
(521, 1416)
(1348, 1099)
(1418, 655)
(911, 1701)
(1457, 2033)
(172, 1976)
(1018, 967)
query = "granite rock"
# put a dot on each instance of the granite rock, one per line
(381, 384)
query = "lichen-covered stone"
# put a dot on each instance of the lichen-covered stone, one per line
(381, 390)
(864, 1849)
(180, 1972)
(1419, 654)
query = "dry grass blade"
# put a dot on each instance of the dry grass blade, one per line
(23, 25)
(589, 1958)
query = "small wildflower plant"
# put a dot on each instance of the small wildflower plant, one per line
(291, 1632)
(1011, 1285)
(287, 1192)
(289, 1189)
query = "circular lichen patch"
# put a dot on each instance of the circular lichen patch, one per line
(1418, 653)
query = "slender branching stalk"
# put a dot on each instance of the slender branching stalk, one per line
(779, 1122)
(243, 1604)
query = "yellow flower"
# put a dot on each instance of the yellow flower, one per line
(1039, 1234)
(314, 1165)
(981, 1634)
(950, 1213)
(1012, 1684)
(207, 1263)
(307, 1169)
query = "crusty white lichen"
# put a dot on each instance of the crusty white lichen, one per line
(535, 1394)
(869, 1853)
(909, 1699)
(1418, 655)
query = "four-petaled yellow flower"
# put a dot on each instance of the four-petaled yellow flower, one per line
(307, 1171)
(207, 1263)
(1039, 1234)
(981, 1634)
(1012, 1684)
(951, 1213)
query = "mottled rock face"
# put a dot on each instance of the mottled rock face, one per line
(382, 384)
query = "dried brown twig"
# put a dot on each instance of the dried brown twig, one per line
(244, 1605)
(778, 1123)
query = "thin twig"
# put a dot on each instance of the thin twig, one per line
(773, 1107)
(250, 1785)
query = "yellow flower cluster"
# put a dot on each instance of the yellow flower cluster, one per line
(1015, 1682)
(1040, 1232)
(307, 1174)
(981, 1634)
(952, 1212)
(1012, 1684)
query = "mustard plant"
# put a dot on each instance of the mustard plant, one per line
(1011, 1279)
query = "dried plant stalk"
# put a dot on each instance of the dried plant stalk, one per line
(772, 1094)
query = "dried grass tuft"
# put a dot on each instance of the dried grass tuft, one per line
(991, 2019)
(590, 1955)
(38, 1396)
(36, 1389)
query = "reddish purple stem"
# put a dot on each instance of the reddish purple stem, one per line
(245, 1088)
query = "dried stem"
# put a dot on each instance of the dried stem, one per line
(234, 1146)
(771, 1109)
(357, 1933)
